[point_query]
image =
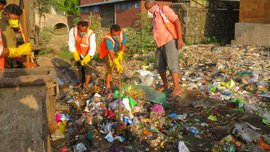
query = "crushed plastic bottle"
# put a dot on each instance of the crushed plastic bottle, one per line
(193, 130)
(242, 130)
(182, 147)
(80, 147)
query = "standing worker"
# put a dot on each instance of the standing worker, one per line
(82, 44)
(9, 21)
(167, 33)
(115, 41)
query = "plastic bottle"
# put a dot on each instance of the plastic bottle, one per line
(182, 147)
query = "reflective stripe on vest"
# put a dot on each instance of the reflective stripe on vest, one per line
(103, 51)
(109, 37)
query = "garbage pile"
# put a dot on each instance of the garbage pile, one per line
(228, 109)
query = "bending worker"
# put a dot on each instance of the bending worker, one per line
(82, 44)
(115, 41)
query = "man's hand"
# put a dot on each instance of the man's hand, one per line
(24, 49)
(180, 43)
(85, 60)
(120, 56)
(76, 56)
(118, 66)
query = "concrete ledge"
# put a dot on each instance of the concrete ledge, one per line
(252, 34)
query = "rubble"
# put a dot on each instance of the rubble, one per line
(226, 90)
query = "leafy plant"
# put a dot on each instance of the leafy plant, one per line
(46, 34)
(43, 6)
(140, 40)
(209, 40)
(64, 53)
(70, 7)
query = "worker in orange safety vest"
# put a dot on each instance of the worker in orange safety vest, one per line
(112, 43)
(82, 44)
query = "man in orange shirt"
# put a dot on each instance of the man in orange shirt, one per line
(167, 33)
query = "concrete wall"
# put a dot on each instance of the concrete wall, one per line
(199, 23)
(51, 20)
(252, 34)
(254, 27)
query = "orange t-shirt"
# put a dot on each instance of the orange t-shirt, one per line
(160, 31)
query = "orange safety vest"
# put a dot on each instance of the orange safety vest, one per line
(2, 59)
(82, 43)
(169, 25)
(103, 50)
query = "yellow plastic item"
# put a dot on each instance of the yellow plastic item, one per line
(62, 127)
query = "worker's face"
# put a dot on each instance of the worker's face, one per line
(13, 17)
(13, 20)
(2, 7)
(151, 7)
(116, 35)
(83, 30)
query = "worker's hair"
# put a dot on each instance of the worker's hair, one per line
(150, 1)
(115, 27)
(13, 9)
(83, 24)
(3, 2)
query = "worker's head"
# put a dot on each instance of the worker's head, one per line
(12, 13)
(82, 28)
(115, 31)
(3, 3)
(151, 6)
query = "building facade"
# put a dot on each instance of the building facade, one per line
(122, 12)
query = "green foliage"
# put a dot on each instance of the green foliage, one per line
(43, 6)
(45, 52)
(46, 34)
(95, 23)
(209, 40)
(76, 20)
(181, 56)
(70, 7)
(64, 53)
(141, 40)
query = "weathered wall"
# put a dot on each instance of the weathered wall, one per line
(22, 119)
(27, 107)
(255, 11)
(252, 34)
(128, 17)
(200, 23)
(51, 20)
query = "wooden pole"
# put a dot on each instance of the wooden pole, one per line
(26, 36)
(120, 98)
